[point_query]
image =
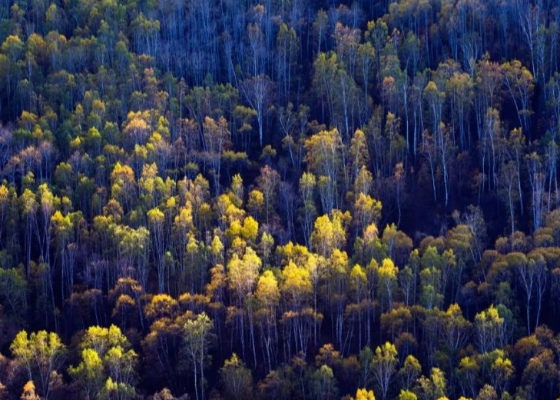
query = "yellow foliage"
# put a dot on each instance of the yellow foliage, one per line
(364, 394)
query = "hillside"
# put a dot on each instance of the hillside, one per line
(227, 199)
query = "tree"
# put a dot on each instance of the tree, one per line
(41, 353)
(197, 338)
(358, 283)
(237, 379)
(123, 185)
(435, 99)
(268, 183)
(501, 373)
(165, 394)
(519, 82)
(364, 394)
(267, 295)
(366, 60)
(329, 232)
(326, 74)
(459, 89)
(161, 306)
(63, 228)
(359, 153)
(530, 24)
(409, 372)
(183, 225)
(527, 273)
(242, 276)
(489, 327)
(324, 158)
(29, 212)
(137, 128)
(456, 328)
(287, 44)
(367, 210)
(294, 125)
(407, 395)
(468, 372)
(215, 140)
(307, 185)
(89, 373)
(435, 386)
(384, 367)
(487, 393)
(156, 219)
(387, 281)
(296, 289)
(13, 287)
(48, 202)
(488, 80)
(29, 392)
(107, 365)
(259, 93)
(324, 383)
(508, 190)
(537, 179)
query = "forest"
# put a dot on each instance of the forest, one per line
(279, 199)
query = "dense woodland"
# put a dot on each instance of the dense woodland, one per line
(285, 199)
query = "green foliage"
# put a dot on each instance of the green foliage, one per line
(236, 378)
(107, 367)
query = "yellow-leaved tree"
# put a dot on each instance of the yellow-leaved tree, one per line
(41, 354)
